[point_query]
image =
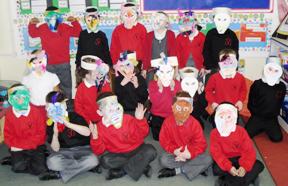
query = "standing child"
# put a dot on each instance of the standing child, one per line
(55, 38)
(232, 150)
(24, 134)
(93, 41)
(265, 101)
(130, 85)
(91, 79)
(161, 92)
(183, 140)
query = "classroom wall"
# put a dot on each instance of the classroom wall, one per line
(13, 67)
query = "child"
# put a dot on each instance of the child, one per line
(55, 38)
(265, 101)
(218, 39)
(39, 82)
(122, 136)
(183, 140)
(130, 35)
(93, 41)
(232, 150)
(227, 85)
(161, 92)
(160, 39)
(91, 79)
(190, 42)
(69, 137)
(130, 86)
(24, 134)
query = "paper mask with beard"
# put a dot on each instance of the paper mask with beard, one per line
(272, 71)
(111, 111)
(160, 23)
(19, 98)
(226, 119)
(53, 19)
(92, 19)
(182, 109)
(38, 61)
(228, 66)
(165, 70)
(190, 85)
(222, 19)
(129, 15)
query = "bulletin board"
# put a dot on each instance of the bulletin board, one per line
(253, 29)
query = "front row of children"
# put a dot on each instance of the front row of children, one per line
(117, 141)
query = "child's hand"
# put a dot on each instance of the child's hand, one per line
(241, 172)
(71, 19)
(172, 85)
(214, 105)
(160, 86)
(177, 151)
(134, 80)
(15, 149)
(55, 129)
(94, 130)
(144, 73)
(140, 111)
(34, 20)
(233, 171)
(239, 105)
(125, 81)
(186, 154)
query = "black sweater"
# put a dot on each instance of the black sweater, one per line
(128, 95)
(95, 44)
(69, 138)
(214, 43)
(264, 100)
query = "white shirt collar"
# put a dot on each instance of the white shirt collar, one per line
(89, 31)
(22, 113)
(87, 84)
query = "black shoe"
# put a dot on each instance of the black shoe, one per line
(49, 175)
(148, 171)
(96, 169)
(115, 173)
(166, 173)
(6, 160)
(204, 173)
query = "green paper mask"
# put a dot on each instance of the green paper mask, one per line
(19, 98)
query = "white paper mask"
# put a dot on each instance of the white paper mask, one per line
(226, 119)
(188, 72)
(228, 66)
(272, 73)
(159, 21)
(222, 19)
(129, 15)
(190, 85)
(112, 111)
(165, 71)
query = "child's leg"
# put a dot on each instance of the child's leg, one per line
(254, 126)
(155, 122)
(251, 176)
(38, 161)
(273, 130)
(19, 162)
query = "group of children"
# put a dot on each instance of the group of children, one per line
(107, 126)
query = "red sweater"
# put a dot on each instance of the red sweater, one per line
(132, 39)
(185, 48)
(162, 102)
(231, 90)
(85, 101)
(237, 144)
(170, 44)
(190, 133)
(56, 44)
(25, 132)
(125, 139)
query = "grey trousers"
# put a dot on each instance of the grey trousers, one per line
(63, 71)
(72, 161)
(133, 162)
(190, 168)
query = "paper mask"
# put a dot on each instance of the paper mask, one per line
(126, 64)
(272, 72)
(19, 98)
(38, 62)
(182, 109)
(190, 85)
(129, 15)
(53, 19)
(222, 19)
(228, 66)
(226, 119)
(92, 19)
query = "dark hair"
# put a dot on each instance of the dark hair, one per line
(52, 8)
(34, 52)
(104, 95)
(58, 96)
(181, 94)
(225, 52)
(81, 72)
(92, 9)
(16, 85)
(129, 4)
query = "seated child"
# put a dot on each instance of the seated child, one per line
(227, 85)
(161, 92)
(265, 101)
(232, 150)
(129, 85)
(183, 140)
(92, 78)
(69, 137)
(24, 134)
(121, 136)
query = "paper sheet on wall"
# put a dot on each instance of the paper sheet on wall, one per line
(25, 4)
(116, 4)
(63, 4)
(38, 6)
(77, 5)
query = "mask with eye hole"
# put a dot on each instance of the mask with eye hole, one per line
(272, 71)
(111, 111)
(182, 109)
(222, 19)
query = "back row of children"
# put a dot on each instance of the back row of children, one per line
(170, 119)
